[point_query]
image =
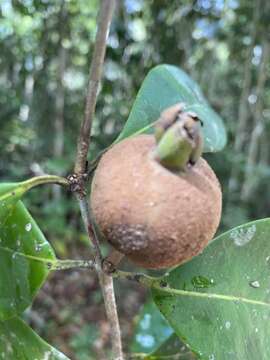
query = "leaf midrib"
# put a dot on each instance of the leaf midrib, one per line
(215, 296)
(30, 257)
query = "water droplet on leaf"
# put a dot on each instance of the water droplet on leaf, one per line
(28, 227)
(255, 284)
(243, 236)
(227, 325)
(38, 247)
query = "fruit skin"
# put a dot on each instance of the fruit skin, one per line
(157, 218)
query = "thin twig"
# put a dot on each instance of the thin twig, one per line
(105, 17)
(84, 208)
(106, 281)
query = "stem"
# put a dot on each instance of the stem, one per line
(87, 221)
(140, 278)
(72, 264)
(106, 281)
(44, 179)
(105, 17)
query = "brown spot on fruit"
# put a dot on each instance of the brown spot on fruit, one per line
(157, 218)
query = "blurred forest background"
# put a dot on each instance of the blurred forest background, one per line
(45, 52)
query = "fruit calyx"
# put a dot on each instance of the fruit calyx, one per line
(178, 137)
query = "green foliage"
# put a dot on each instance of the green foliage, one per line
(18, 341)
(214, 42)
(151, 330)
(24, 252)
(155, 338)
(165, 86)
(218, 303)
(210, 41)
(172, 348)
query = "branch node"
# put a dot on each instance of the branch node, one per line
(108, 267)
(77, 184)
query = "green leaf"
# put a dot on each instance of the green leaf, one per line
(166, 85)
(11, 193)
(151, 330)
(19, 342)
(24, 258)
(154, 338)
(172, 348)
(219, 302)
(24, 251)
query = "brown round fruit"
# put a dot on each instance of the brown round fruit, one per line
(155, 217)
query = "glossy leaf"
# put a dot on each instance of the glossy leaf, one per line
(24, 251)
(151, 330)
(219, 302)
(166, 85)
(19, 342)
(172, 348)
(11, 193)
(24, 258)
(154, 337)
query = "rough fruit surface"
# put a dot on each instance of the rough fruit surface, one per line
(155, 217)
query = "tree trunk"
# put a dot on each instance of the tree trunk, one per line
(243, 110)
(258, 128)
(28, 96)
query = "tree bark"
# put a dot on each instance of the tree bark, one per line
(258, 127)
(243, 110)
